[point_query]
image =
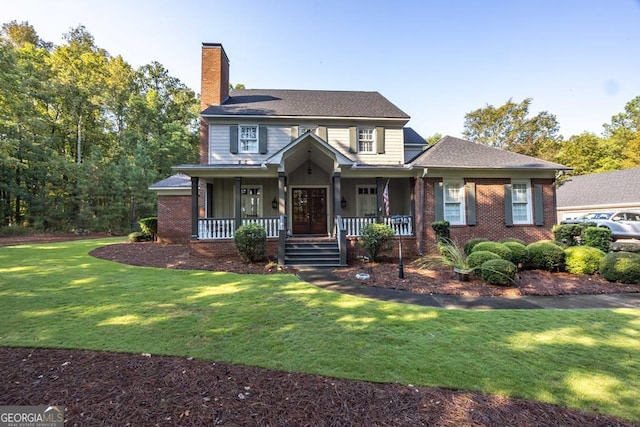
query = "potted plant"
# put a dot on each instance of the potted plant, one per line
(453, 256)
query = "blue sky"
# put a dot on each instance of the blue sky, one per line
(436, 60)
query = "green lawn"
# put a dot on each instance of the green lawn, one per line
(56, 295)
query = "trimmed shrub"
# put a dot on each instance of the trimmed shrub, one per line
(250, 241)
(583, 259)
(597, 237)
(499, 272)
(518, 252)
(441, 229)
(138, 236)
(375, 239)
(567, 234)
(497, 248)
(513, 239)
(622, 267)
(468, 247)
(477, 258)
(545, 255)
(149, 227)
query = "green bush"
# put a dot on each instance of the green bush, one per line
(468, 247)
(518, 252)
(499, 272)
(250, 241)
(13, 231)
(567, 234)
(513, 239)
(149, 227)
(497, 248)
(583, 259)
(442, 231)
(545, 255)
(477, 258)
(138, 236)
(376, 239)
(622, 267)
(597, 237)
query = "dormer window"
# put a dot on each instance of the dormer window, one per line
(248, 139)
(366, 140)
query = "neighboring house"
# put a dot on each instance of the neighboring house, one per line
(309, 164)
(605, 191)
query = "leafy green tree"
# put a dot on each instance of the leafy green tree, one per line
(510, 127)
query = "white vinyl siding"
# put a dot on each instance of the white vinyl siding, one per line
(521, 202)
(338, 137)
(277, 137)
(453, 198)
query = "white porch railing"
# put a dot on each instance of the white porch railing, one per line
(269, 224)
(224, 228)
(352, 225)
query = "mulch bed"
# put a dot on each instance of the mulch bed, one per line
(100, 388)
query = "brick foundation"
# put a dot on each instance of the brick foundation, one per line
(174, 219)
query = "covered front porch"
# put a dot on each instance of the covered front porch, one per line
(306, 190)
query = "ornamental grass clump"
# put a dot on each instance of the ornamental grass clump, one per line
(499, 272)
(545, 255)
(583, 259)
(621, 267)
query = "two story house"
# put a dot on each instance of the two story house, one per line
(317, 165)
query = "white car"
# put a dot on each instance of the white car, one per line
(623, 224)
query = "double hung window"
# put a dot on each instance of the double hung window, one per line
(453, 197)
(248, 139)
(366, 140)
(521, 202)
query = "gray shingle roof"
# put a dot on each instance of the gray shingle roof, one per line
(452, 152)
(605, 188)
(178, 180)
(306, 103)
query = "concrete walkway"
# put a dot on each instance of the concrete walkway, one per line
(324, 278)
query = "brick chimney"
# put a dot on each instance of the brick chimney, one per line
(214, 88)
(215, 75)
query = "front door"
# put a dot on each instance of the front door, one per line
(309, 210)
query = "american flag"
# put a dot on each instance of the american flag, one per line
(385, 198)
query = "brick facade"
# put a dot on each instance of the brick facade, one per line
(174, 219)
(214, 88)
(490, 213)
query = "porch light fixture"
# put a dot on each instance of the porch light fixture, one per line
(309, 162)
(274, 203)
(343, 203)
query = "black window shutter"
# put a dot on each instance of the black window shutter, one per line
(438, 189)
(353, 139)
(471, 203)
(538, 203)
(508, 208)
(233, 139)
(262, 139)
(380, 139)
